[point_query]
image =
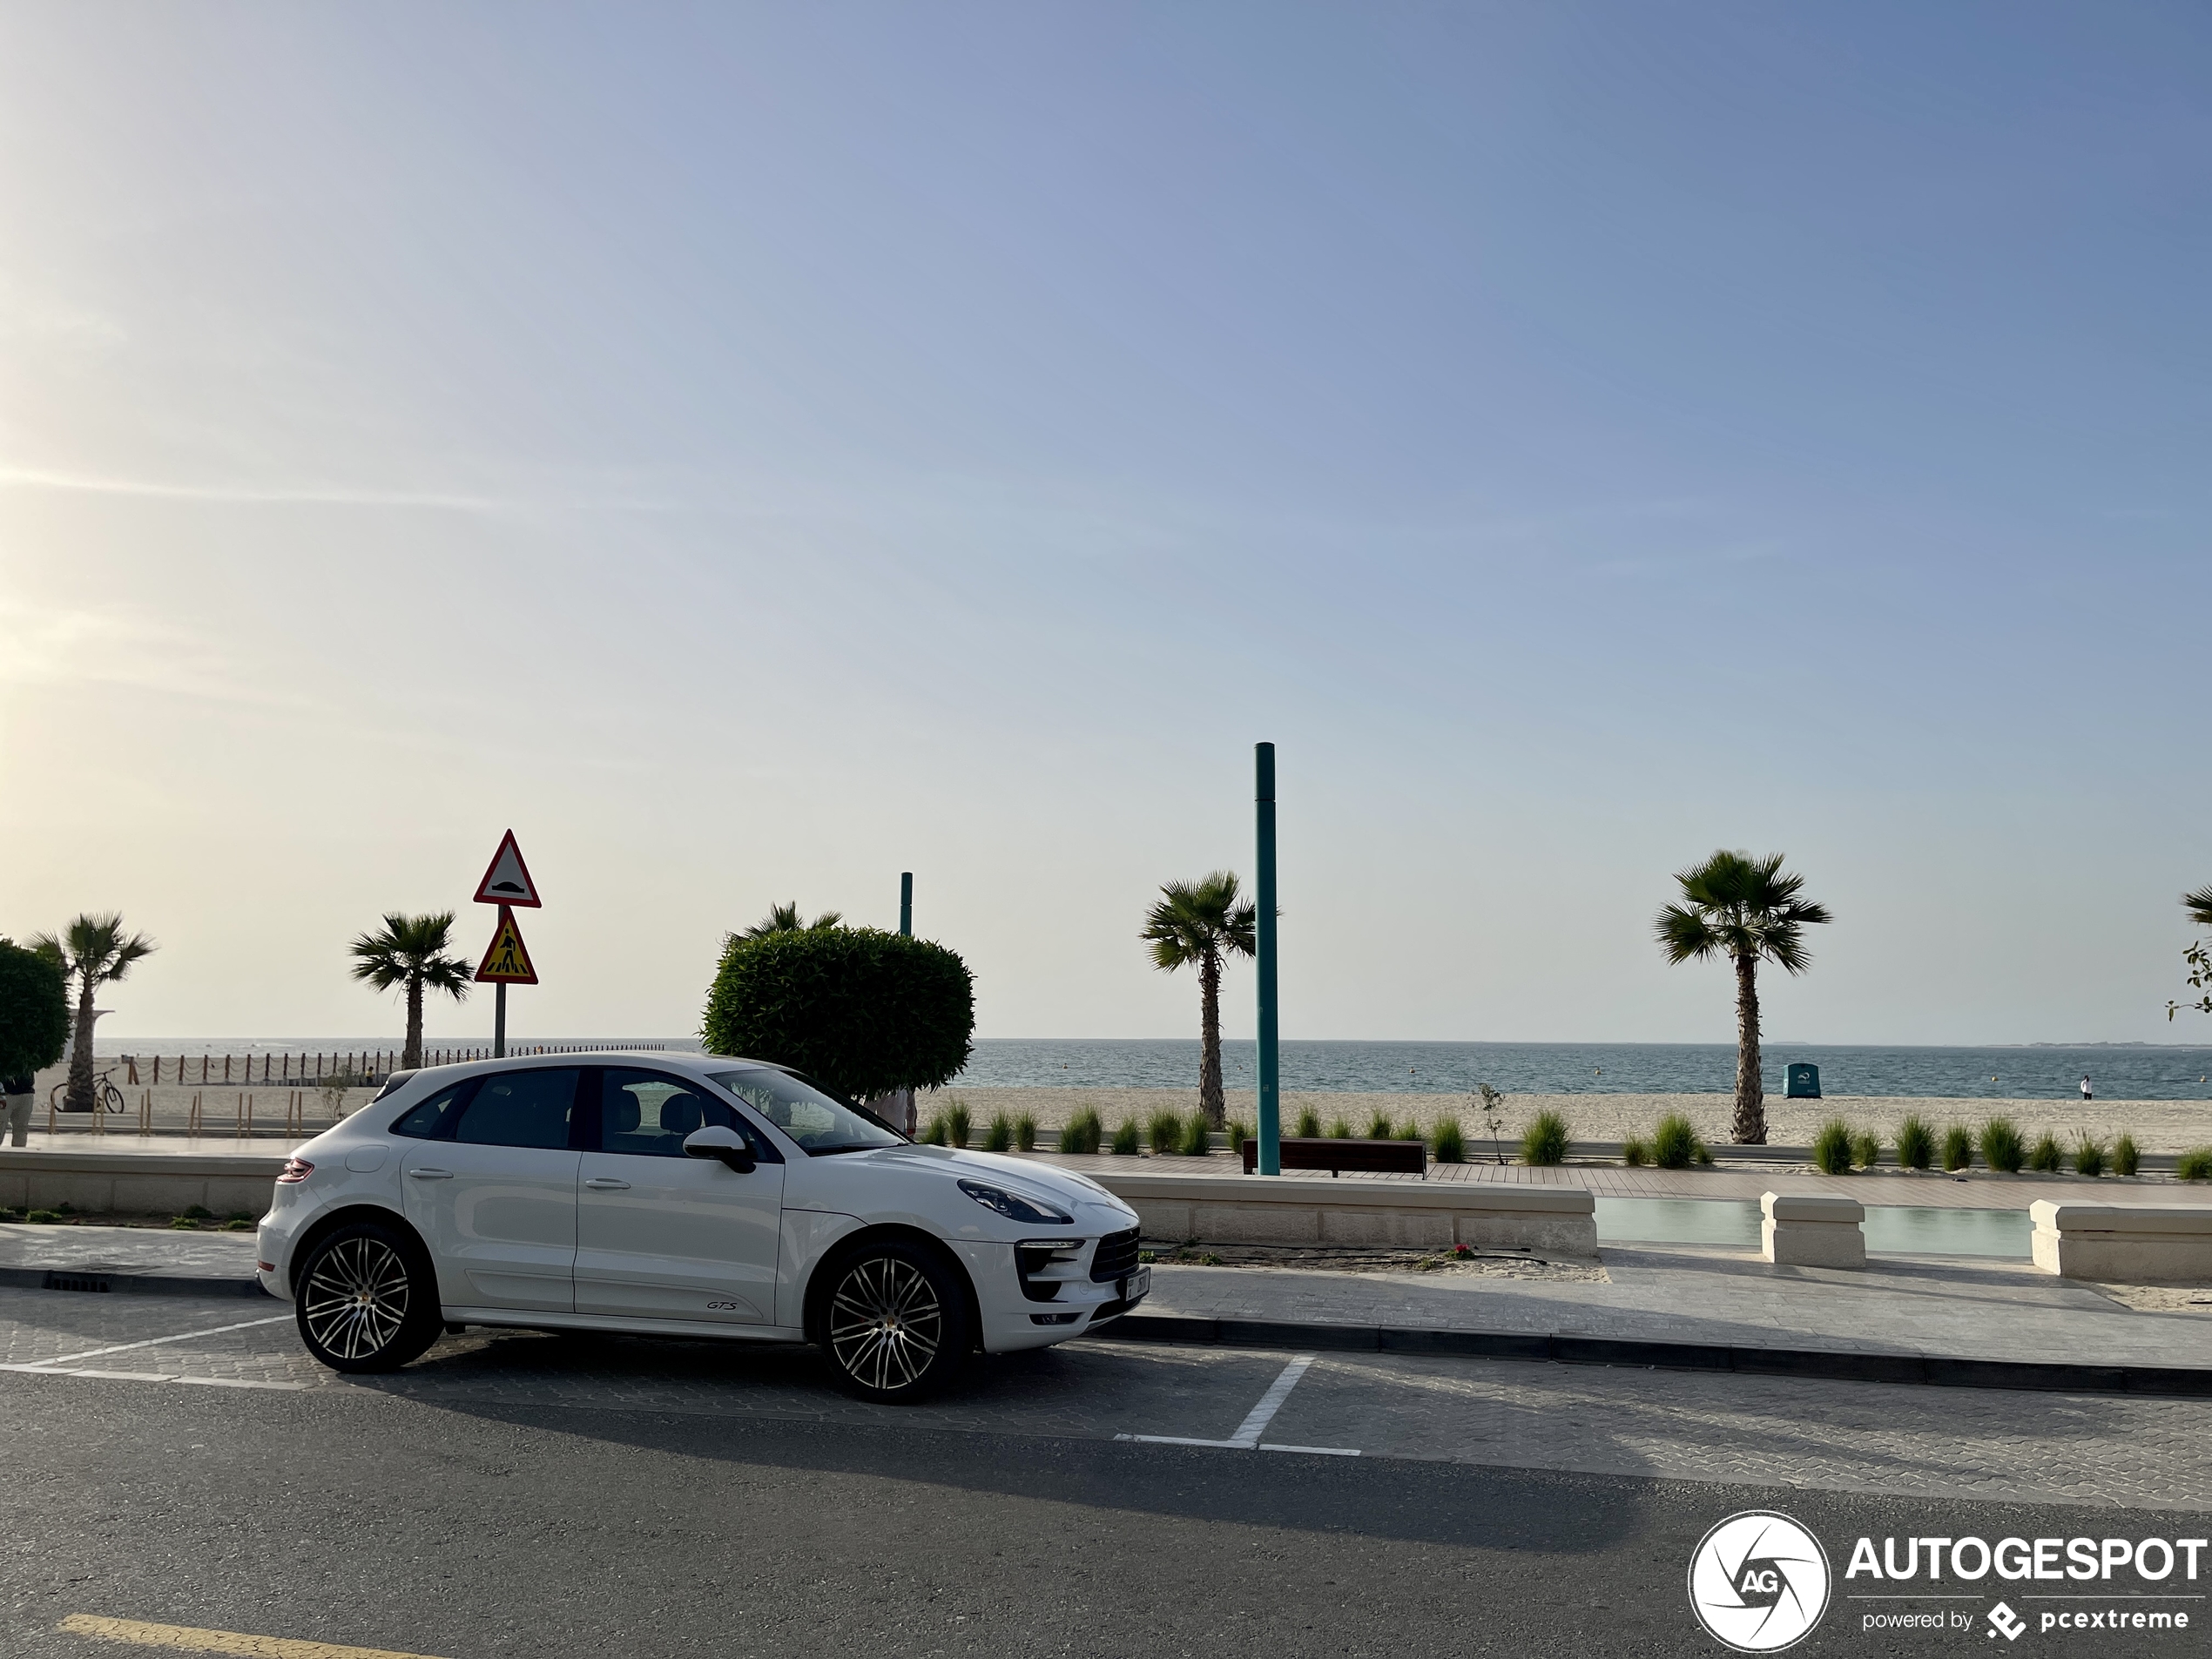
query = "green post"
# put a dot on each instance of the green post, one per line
(1271, 1112)
(906, 901)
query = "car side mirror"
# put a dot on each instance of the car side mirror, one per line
(716, 1142)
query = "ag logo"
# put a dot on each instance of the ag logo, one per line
(1758, 1582)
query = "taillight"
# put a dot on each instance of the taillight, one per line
(296, 1170)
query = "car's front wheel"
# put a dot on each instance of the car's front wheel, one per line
(367, 1299)
(896, 1323)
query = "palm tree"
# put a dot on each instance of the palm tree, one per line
(94, 951)
(411, 952)
(1198, 923)
(1747, 910)
(2198, 956)
(784, 919)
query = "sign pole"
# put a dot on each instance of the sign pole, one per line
(1271, 1114)
(499, 1021)
(906, 902)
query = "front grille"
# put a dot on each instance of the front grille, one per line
(1117, 1255)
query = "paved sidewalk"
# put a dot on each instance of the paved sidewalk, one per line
(197, 1260)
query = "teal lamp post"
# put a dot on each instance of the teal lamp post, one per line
(1270, 1112)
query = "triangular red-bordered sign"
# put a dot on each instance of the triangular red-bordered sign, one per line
(507, 961)
(508, 882)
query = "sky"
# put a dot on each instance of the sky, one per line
(754, 450)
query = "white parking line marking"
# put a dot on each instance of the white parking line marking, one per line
(1270, 1402)
(150, 1342)
(1247, 1436)
(153, 1376)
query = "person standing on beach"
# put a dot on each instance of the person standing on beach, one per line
(18, 1092)
(2087, 1094)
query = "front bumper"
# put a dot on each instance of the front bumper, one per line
(1013, 1318)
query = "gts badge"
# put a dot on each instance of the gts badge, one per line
(726, 1307)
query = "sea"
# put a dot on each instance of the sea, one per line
(2116, 1071)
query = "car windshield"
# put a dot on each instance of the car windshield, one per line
(819, 1124)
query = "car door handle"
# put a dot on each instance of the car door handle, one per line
(430, 1175)
(607, 1183)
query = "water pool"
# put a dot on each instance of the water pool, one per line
(1896, 1229)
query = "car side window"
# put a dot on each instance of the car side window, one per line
(433, 1119)
(521, 1109)
(647, 1114)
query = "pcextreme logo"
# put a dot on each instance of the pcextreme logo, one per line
(1758, 1582)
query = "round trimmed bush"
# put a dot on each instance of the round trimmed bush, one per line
(34, 1011)
(860, 1009)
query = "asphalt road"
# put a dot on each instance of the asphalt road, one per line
(759, 1513)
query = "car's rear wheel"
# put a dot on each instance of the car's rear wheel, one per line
(367, 1299)
(896, 1321)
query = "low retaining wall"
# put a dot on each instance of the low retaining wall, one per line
(1812, 1231)
(1273, 1209)
(127, 1183)
(2133, 1243)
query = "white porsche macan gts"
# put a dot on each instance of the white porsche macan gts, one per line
(682, 1195)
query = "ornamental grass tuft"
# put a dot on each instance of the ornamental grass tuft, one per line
(1085, 1132)
(1238, 1134)
(957, 1123)
(2126, 1156)
(2193, 1165)
(2001, 1147)
(1544, 1142)
(2088, 1155)
(1915, 1142)
(1379, 1126)
(1025, 1132)
(1635, 1153)
(1339, 1129)
(1411, 1129)
(1673, 1144)
(2047, 1158)
(933, 1132)
(1309, 1125)
(1128, 1140)
(1446, 1145)
(1958, 1148)
(1197, 1136)
(1865, 1149)
(1164, 1133)
(999, 1136)
(1831, 1148)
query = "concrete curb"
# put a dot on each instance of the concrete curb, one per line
(1832, 1365)
(101, 1279)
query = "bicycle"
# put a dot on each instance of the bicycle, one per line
(105, 1096)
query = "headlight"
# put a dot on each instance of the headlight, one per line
(1016, 1206)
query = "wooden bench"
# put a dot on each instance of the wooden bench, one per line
(1320, 1152)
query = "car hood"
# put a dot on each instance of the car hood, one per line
(1064, 1187)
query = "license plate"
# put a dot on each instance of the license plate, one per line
(1136, 1284)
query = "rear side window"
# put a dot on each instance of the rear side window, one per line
(433, 1119)
(521, 1109)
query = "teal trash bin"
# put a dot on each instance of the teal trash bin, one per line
(1804, 1083)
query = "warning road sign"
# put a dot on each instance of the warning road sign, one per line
(508, 961)
(509, 881)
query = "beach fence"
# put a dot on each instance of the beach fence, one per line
(357, 1068)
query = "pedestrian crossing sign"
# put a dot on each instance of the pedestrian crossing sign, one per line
(508, 961)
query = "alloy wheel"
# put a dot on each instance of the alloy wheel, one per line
(886, 1323)
(354, 1303)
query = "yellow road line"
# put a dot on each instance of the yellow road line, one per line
(185, 1640)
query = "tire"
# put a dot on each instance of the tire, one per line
(895, 1323)
(367, 1299)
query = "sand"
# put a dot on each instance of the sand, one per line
(2157, 1125)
